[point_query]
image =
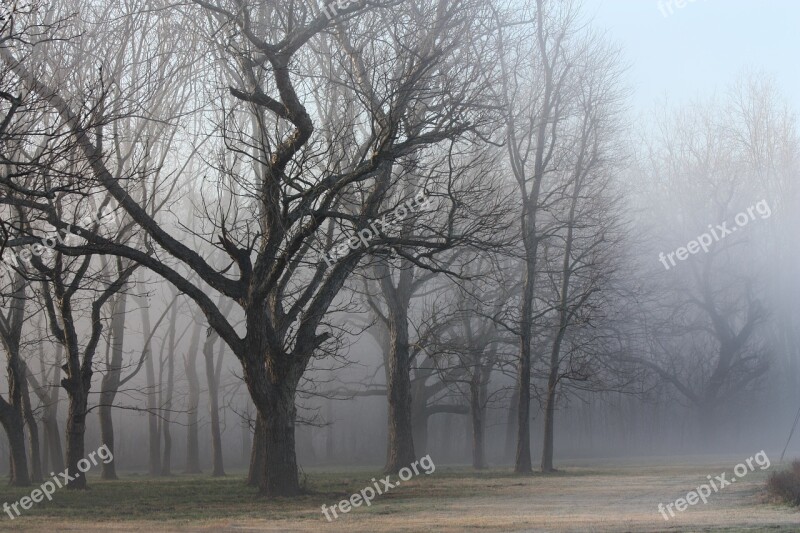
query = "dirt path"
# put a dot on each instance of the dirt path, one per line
(608, 498)
(581, 500)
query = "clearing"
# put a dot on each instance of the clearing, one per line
(601, 496)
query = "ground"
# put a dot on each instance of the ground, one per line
(603, 496)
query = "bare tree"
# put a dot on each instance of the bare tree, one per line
(535, 104)
(703, 328)
(591, 233)
(470, 349)
(11, 409)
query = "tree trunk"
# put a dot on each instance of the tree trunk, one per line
(246, 444)
(76, 429)
(419, 423)
(52, 453)
(109, 385)
(109, 471)
(213, 401)
(13, 424)
(523, 459)
(258, 454)
(549, 422)
(281, 475)
(330, 447)
(57, 461)
(420, 412)
(476, 411)
(552, 383)
(552, 387)
(192, 434)
(401, 442)
(33, 432)
(52, 434)
(154, 461)
(563, 323)
(12, 412)
(166, 463)
(511, 426)
(273, 393)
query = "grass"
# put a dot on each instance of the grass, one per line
(452, 499)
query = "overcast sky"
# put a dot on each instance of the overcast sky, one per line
(702, 46)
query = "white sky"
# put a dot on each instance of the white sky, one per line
(703, 46)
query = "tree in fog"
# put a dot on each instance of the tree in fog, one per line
(707, 318)
(585, 233)
(467, 213)
(473, 346)
(295, 182)
(11, 408)
(46, 387)
(549, 85)
(15, 164)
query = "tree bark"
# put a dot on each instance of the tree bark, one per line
(400, 445)
(213, 404)
(273, 387)
(420, 394)
(511, 426)
(549, 422)
(193, 402)
(33, 431)
(12, 411)
(401, 442)
(52, 453)
(258, 452)
(476, 412)
(109, 385)
(246, 444)
(166, 463)
(281, 474)
(12, 421)
(154, 457)
(522, 464)
(77, 392)
(330, 446)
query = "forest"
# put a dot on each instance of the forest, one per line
(391, 265)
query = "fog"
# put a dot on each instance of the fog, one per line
(279, 241)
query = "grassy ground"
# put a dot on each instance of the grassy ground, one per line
(613, 497)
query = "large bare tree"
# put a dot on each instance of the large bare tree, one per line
(286, 195)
